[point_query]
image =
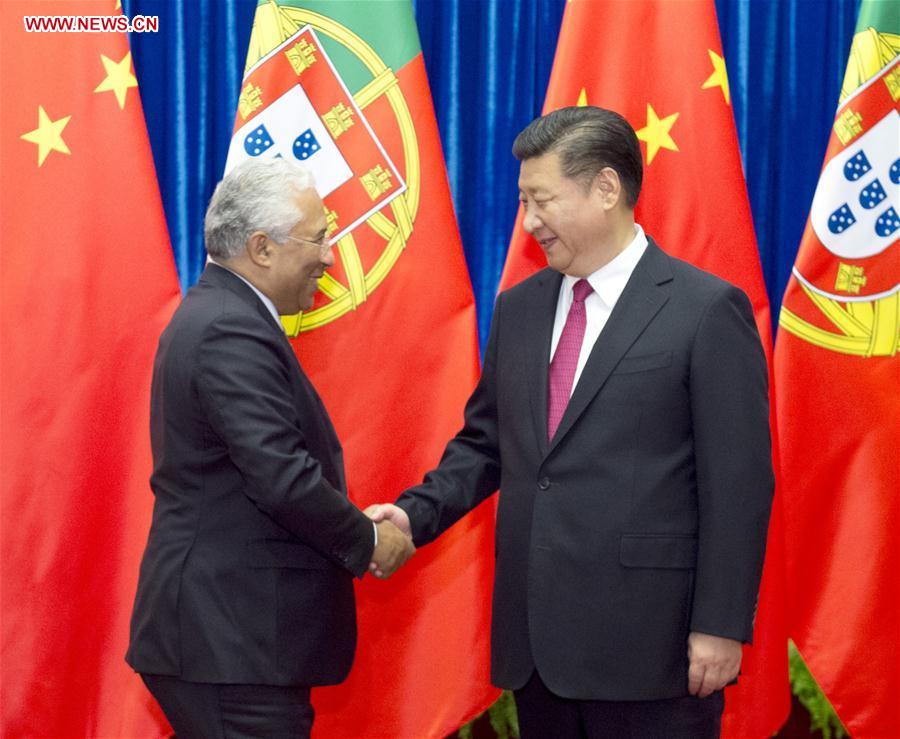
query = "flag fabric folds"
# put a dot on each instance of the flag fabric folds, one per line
(837, 367)
(390, 342)
(673, 89)
(88, 282)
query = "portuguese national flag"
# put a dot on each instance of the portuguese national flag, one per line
(87, 282)
(390, 342)
(837, 368)
(659, 63)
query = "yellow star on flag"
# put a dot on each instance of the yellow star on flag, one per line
(118, 78)
(719, 77)
(582, 99)
(48, 135)
(656, 133)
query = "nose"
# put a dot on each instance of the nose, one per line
(530, 222)
(327, 257)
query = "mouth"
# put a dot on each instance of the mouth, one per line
(547, 242)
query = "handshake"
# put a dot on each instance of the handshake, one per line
(394, 539)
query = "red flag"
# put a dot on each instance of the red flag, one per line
(836, 364)
(88, 282)
(660, 65)
(390, 342)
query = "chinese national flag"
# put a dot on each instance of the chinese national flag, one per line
(660, 65)
(88, 282)
(837, 368)
(390, 342)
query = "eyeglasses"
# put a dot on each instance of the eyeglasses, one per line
(324, 244)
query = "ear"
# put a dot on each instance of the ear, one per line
(609, 187)
(259, 248)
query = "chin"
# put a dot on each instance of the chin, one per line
(558, 264)
(289, 309)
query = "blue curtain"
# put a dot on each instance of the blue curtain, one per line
(488, 63)
(488, 66)
(189, 75)
(786, 62)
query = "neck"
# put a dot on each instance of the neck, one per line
(613, 244)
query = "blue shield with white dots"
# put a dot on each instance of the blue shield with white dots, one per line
(305, 145)
(841, 219)
(857, 166)
(872, 195)
(888, 223)
(257, 141)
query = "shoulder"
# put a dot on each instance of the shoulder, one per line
(223, 301)
(213, 314)
(694, 285)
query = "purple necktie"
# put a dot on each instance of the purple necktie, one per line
(565, 361)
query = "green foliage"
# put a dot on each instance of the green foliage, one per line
(821, 714)
(503, 717)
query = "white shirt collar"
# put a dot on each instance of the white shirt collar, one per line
(609, 281)
(270, 306)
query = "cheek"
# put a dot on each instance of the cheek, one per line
(559, 221)
(307, 272)
(303, 267)
(578, 224)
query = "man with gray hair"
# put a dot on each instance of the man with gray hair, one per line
(245, 598)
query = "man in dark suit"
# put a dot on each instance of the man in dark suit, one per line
(622, 411)
(245, 597)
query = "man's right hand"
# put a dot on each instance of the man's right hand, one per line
(394, 548)
(390, 512)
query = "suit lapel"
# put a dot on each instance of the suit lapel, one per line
(643, 297)
(539, 332)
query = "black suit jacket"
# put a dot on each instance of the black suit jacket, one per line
(247, 575)
(646, 516)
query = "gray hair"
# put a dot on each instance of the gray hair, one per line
(586, 139)
(257, 195)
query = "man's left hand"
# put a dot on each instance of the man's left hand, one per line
(714, 662)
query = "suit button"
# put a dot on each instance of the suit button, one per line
(544, 483)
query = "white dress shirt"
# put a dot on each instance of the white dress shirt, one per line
(608, 283)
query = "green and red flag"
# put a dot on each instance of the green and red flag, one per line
(390, 342)
(837, 369)
(88, 282)
(660, 64)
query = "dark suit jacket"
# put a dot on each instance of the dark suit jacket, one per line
(646, 516)
(248, 572)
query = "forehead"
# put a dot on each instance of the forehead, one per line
(312, 207)
(541, 173)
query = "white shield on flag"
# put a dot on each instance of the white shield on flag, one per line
(855, 209)
(291, 128)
